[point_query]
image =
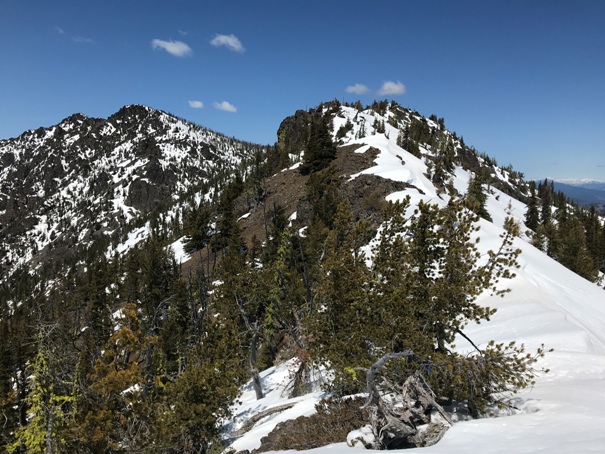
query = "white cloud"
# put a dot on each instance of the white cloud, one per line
(81, 39)
(392, 88)
(176, 48)
(196, 104)
(358, 89)
(231, 42)
(225, 106)
(74, 38)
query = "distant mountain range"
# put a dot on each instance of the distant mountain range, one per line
(583, 192)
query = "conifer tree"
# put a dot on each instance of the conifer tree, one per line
(573, 252)
(320, 149)
(400, 323)
(198, 228)
(339, 331)
(202, 395)
(241, 297)
(476, 199)
(18, 347)
(289, 299)
(546, 194)
(407, 142)
(49, 404)
(443, 163)
(114, 412)
(532, 216)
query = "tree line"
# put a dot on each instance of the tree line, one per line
(571, 234)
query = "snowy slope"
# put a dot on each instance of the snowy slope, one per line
(86, 179)
(548, 305)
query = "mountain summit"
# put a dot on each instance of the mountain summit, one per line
(86, 181)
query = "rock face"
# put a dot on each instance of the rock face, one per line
(85, 177)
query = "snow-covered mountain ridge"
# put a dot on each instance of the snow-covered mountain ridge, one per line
(584, 192)
(104, 198)
(88, 180)
(547, 304)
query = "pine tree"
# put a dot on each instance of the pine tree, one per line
(338, 329)
(202, 395)
(324, 196)
(443, 163)
(546, 193)
(407, 142)
(400, 323)
(242, 297)
(573, 252)
(289, 299)
(17, 348)
(49, 404)
(114, 412)
(532, 216)
(319, 150)
(198, 228)
(476, 199)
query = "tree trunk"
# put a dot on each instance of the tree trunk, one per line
(49, 431)
(256, 380)
(404, 421)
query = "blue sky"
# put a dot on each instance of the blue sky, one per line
(523, 81)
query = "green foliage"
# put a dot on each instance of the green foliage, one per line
(485, 377)
(418, 295)
(342, 297)
(115, 410)
(573, 251)
(476, 199)
(48, 406)
(334, 419)
(344, 129)
(406, 141)
(566, 232)
(197, 228)
(319, 149)
(201, 397)
(324, 196)
(532, 216)
(443, 163)
(161, 378)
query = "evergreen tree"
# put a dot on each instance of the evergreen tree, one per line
(443, 163)
(198, 228)
(425, 278)
(17, 348)
(407, 142)
(532, 216)
(573, 252)
(324, 196)
(114, 413)
(546, 193)
(547, 238)
(319, 150)
(339, 328)
(202, 396)
(476, 199)
(289, 300)
(241, 297)
(49, 403)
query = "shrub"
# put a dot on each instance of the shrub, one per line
(334, 419)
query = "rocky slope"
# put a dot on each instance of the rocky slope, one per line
(90, 181)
